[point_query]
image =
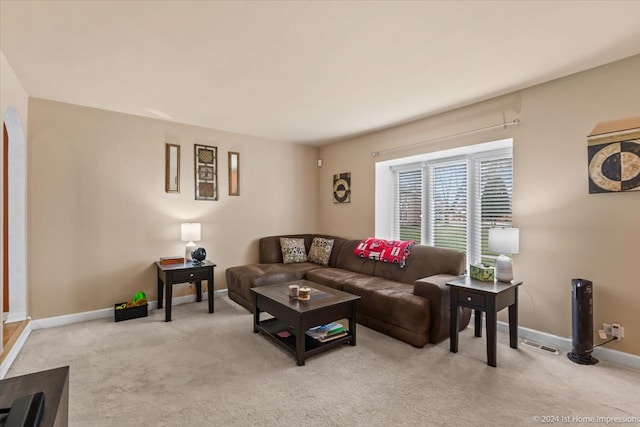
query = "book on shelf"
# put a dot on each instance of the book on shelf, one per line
(169, 260)
(333, 337)
(323, 332)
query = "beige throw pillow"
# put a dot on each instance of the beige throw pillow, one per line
(293, 250)
(320, 251)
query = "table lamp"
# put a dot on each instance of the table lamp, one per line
(504, 241)
(191, 234)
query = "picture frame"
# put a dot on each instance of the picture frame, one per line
(342, 188)
(206, 172)
(234, 173)
(613, 149)
(172, 168)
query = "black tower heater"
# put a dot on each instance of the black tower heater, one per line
(582, 310)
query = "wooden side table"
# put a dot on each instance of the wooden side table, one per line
(169, 275)
(490, 297)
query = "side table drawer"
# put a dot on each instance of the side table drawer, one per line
(471, 299)
(190, 275)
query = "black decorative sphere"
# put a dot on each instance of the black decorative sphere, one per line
(198, 255)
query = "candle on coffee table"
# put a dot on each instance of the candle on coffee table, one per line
(304, 293)
(293, 290)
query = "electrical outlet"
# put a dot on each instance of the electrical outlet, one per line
(617, 331)
(606, 327)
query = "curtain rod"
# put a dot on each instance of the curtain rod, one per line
(470, 132)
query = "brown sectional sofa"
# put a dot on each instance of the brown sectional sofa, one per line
(410, 303)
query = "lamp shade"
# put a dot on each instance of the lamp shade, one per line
(504, 240)
(190, 231)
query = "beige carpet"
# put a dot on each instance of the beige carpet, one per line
(211, 370)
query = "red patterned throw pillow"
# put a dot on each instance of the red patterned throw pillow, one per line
(395, 251)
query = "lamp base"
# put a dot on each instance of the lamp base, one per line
(504, 269)
(187, 251)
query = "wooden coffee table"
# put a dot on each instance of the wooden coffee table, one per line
(295, 317)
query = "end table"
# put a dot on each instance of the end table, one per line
(490, 297)
(169, 275)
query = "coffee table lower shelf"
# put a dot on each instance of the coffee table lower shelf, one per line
(271, 327)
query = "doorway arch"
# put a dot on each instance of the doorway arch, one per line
(17, 235)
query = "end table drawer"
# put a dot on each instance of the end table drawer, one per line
(471, 298)
(190, 276)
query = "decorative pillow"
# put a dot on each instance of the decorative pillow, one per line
(293, 250)
(320, 250)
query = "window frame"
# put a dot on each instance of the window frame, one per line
(473, 159)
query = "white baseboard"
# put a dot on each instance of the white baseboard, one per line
(565, 345)
(67, 319)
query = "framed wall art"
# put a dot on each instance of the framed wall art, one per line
(206, 172)
(342, 188)
(172, 168)
(614, 156)
(234, 173)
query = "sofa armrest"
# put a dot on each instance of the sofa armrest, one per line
(435, 289)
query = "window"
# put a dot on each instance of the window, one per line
(452, 201)
(496, 188)
(448, 206)
(408, 205)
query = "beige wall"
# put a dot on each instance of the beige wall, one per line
(12, 93)
(565, 232)
(99, 215)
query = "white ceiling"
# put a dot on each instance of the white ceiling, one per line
(304, 71)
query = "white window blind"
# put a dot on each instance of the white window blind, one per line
(448, 212)
(408, 212)
(496, 193)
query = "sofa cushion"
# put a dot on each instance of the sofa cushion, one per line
(293, 250)
(279, 273)
(242, 278)
(320, 250)
(348, 260)
(333, 277)
(392, 301)
(424, 261)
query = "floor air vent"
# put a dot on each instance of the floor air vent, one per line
(541, 346)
